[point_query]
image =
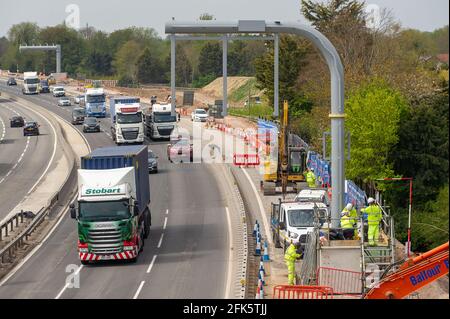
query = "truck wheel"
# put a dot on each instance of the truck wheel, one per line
(147, 223)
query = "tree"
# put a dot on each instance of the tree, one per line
(210, 60)
(183, 67)
(373, 118)
(72, 47)
(292, 54)
(126, 59)
(422, 148)
(149, 68)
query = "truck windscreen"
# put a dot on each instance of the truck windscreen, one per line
(109, 210)
(301, 218)
(31, 81)
(95, 98)
(129, 118)
(163, 118)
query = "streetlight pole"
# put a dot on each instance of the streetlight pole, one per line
(410, 179)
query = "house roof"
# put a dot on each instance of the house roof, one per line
(443, 58)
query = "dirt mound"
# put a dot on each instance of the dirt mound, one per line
(215, 88)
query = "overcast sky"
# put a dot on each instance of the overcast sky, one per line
(111, 15)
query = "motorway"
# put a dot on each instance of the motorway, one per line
(23, 160)
(185, 256)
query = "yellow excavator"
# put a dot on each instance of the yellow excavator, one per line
(286, 171)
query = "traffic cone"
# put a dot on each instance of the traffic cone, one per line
(261, 277)
(266, 252)
(258, 293)
(258, 248)
(255, 228)
(261, 267)
(261, 289)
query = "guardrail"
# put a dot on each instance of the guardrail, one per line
(10, 223)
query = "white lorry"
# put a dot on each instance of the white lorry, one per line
(127, 124)
(314, 196)
(160, 123)
(292, 221)
(30, 83)
(95, 102)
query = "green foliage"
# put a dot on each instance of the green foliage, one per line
(243, 91)
(422, 148)
(203, 80)
(255, 110)
(127, 81)
(291, 60)
(210, 60)
(149, 68)
(126, 59)
(373, 116)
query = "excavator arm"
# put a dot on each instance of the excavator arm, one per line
(412, 275)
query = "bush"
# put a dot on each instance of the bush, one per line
(127, 81)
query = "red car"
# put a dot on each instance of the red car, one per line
(180, 151)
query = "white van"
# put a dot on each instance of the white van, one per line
(314, 196)
(292, 221)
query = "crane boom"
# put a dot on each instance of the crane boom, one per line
(414, 274)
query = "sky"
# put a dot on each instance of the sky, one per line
(110, 15)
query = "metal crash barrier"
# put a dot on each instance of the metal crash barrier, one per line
(302, 292)
(341, 281)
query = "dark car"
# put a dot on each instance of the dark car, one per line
(31, 128)
(17, 121)
(78, 115)
(44, 87)
(11, 81)
(152, 162)
(91, 125)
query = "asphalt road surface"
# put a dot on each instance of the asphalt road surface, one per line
(184, 257)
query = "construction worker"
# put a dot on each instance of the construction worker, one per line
(374, 216)
(348, 221)
(311, 178)
(291, 255)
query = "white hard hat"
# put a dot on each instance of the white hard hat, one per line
(349, 206)
(312, 169)
(371, 200)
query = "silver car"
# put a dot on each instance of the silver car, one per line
(64, 101)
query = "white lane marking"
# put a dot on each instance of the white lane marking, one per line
(167, 212)
(165, 223)
(160, 240)
(230, 255)
(151, 264)
(67, 284)
(3, 129)
(139, 289)
(261, 207)
(18, 161)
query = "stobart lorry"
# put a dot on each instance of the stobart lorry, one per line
(112, 210)
(95, 102)
(127, 123)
